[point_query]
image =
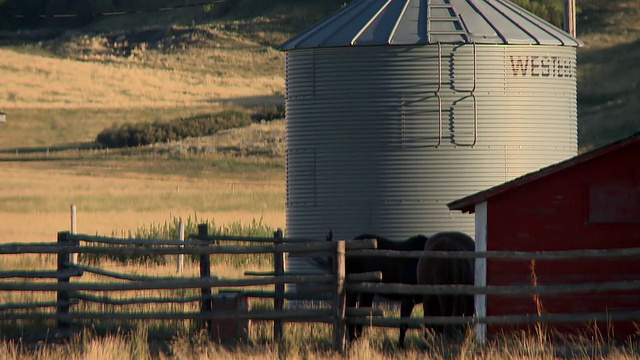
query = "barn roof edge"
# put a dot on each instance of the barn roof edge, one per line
(467, 203)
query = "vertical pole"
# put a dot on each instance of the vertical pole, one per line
(181, 238)
(480, 300)
(339, 297)
(570, 17)
(205, 272)
(74, 230)
(63, 295)
(278, 300)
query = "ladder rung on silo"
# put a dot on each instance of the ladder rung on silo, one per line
(455, 18)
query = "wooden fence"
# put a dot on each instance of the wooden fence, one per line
(70, 293)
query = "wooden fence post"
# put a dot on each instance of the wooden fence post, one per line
(205, 272)
(62, 307)
(278, 300)
(339, 297)
(181, 238)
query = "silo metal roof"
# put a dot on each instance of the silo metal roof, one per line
(421, 22)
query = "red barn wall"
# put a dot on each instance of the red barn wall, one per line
(593, 205)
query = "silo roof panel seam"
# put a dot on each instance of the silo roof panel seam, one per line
(541, 24)
(413, 22)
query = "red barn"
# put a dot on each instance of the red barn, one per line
(591, 201)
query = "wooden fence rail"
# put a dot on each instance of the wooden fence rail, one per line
(608, 254)
(331, 287)
(190, 249)
(404, 289)
(41, 274)
(356, 248)
(288, 315)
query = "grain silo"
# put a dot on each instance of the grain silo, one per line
(397, 107)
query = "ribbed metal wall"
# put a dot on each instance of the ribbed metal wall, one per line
(381, 138)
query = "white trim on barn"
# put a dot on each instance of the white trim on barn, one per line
(481, 270)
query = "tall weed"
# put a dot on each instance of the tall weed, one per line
(169, 230)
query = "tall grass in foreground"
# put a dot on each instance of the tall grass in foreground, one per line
(154, 339)
(169, 229)
(301, 344)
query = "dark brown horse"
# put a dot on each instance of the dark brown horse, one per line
(394, 270)
(437, 271)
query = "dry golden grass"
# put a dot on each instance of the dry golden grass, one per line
(37, 198)
(43, 227)
(45, 82)
(137, 345)
(265, 140)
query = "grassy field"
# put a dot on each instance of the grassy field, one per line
(44, 82)
(56, 106)
(60, 93)
(608, 75)
(120, 193)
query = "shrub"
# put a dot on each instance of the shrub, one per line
(128, 135)
(268, 112)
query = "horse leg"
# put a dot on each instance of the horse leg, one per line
(431, 306)
(366, 300)
(464, 307)
(451, 306)
(406, 308)
(352, 302)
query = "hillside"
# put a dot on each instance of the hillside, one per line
(192, 57)
(608, 71)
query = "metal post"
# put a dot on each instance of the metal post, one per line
(278, 300)
(570, 17)
(181, 238)
(205, 272)
(74, 230)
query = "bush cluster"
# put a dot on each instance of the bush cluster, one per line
(128, 135)
(268, 112)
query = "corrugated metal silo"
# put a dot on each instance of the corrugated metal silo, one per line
(397, 107)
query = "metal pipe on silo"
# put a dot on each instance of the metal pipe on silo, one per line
(570, 17)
